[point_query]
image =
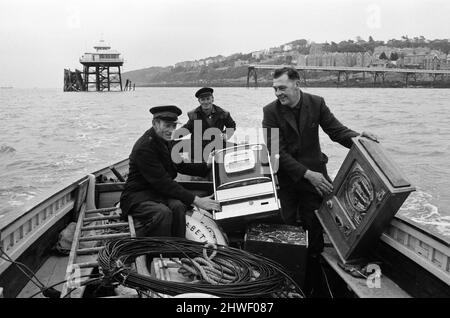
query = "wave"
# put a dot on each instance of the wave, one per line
(418, 208)
(7, 149)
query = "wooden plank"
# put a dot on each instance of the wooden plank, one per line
(50, 273)
(37, 217)
(387, 289)
(141, 261)
(122, 296)
(88, 264)
(33, 257)
(90, 250)
(100, 210)
(9, 219)
(104, 237)
(84, 272)
(28, 240)
(73, 250)
(386, 165)
(80, 197)
(101, 218)
(418, 259)
(408, 274)
(104, 226)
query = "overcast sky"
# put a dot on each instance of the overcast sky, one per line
(38, 39)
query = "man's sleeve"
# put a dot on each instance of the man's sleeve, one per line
(193, 169)
(274, 139)
(229, 123)
(189, 168)
(333, 127)
(157, 176)
(189, 125)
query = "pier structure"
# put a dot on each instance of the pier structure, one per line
(102, 68)
(378, 73)
(73, 81)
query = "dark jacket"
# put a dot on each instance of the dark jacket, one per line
(220, 119)
(299, 146)
(152, 173)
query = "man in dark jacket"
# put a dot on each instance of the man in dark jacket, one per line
(157, 202)
(302, 173)
(203, 118)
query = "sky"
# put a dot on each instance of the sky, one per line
(39, 38)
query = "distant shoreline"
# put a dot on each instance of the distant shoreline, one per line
(418, 84)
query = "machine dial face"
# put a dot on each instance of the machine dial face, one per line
(359, 194)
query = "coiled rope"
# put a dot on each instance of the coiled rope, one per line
(222, 271)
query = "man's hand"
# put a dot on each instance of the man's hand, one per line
(206, 203)
(322, 185)
(370, 136)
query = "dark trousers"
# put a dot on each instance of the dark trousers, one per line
(160, 218)
(295, 201)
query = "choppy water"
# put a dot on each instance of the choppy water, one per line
(49, 138)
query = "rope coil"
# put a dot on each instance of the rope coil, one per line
(222, 271)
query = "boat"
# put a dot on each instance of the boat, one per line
(414, 262)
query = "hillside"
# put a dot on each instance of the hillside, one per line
(232, 70)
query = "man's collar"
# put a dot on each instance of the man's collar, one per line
(200, 110)
(298, 105)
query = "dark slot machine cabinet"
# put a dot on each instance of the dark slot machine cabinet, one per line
(244, 183)
(369, 189)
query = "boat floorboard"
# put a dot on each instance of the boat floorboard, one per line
(51, 272)
(387, 289)
(54, 271)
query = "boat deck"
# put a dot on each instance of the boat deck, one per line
(387, 288)
(51, 272)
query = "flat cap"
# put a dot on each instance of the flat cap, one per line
(203, 92)
(166, 112)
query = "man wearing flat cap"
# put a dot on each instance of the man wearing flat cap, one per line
(204, 117)
(151, 195)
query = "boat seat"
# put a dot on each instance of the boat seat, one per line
(387, 288)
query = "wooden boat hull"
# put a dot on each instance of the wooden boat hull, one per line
(418, 261)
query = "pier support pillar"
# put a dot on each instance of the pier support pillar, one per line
(102, 76)
(252, 73)
(303, 75)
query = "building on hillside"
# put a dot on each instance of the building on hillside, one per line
(340, 59)
(258, 54)
(239, 63)
(301, 60)
(414, 61)
(367, 59)
(287, 47)
(327, 59)
(386, 49)
(359, 59)
(316, 48)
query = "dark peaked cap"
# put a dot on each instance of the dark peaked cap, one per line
(205, 91)
(168, 113)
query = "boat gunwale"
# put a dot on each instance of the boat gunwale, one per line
(10, 218)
